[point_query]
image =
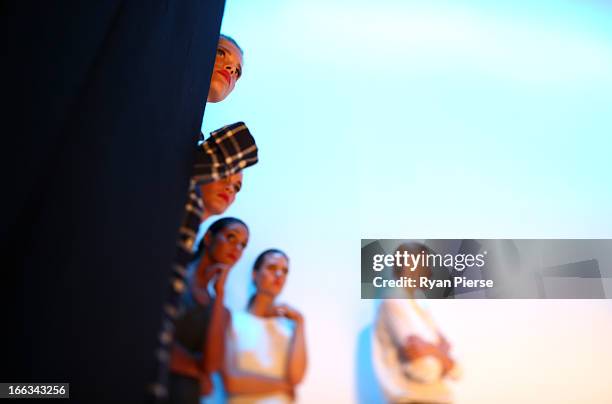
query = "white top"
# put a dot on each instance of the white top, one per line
(260, 346)
(402, 381)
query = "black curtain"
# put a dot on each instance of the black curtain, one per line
(103, 105)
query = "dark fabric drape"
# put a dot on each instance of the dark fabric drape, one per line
(104, 105)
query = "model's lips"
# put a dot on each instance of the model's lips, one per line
(231, 256)
(226, 75)
(224, 196)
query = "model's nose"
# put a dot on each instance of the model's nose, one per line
(232, 69)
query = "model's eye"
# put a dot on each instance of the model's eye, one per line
(231, 237)
(237, 187)
(238, 73)
(220, 52)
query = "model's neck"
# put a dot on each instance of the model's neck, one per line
(204, 216)
(202, 275)
(205, 213)
(262, 305)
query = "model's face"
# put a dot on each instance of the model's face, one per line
(217, 196)
(227, 70)
(227, 245)
(419, 271)
(271, 276)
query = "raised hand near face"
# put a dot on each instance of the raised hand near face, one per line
(287, 311)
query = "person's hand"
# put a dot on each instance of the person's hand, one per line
(448, 364)
(219, 276)
(444, 345)
(216, 273)
(290, 390)
(416, 347)
(200, 294)
(286, 311)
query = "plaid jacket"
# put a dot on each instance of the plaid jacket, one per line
(226, 152)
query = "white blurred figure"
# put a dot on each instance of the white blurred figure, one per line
(411, 356)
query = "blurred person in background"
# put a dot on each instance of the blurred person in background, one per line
(412, 358)
(266, 354)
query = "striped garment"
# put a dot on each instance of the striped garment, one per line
(226, 152)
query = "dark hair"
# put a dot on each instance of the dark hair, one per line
(232, 41)
(258, 263)
(215, 228)
(414, 248)
(262, 256)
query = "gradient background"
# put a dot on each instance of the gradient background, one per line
(430, 119)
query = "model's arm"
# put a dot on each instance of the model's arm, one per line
(237, 382)
(422, 361)
(297, 359)
(182, 361)
(214, 343)
(416, 348)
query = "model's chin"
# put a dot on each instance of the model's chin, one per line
(270, 291)
(213, 98)
(217, 92)
(229, 262)
(215, 208)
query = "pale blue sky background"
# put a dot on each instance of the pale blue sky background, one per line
(406, 119)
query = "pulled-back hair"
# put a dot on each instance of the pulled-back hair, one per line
(215, 228)
(414, 248)
(261, 257)
(232, 41)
